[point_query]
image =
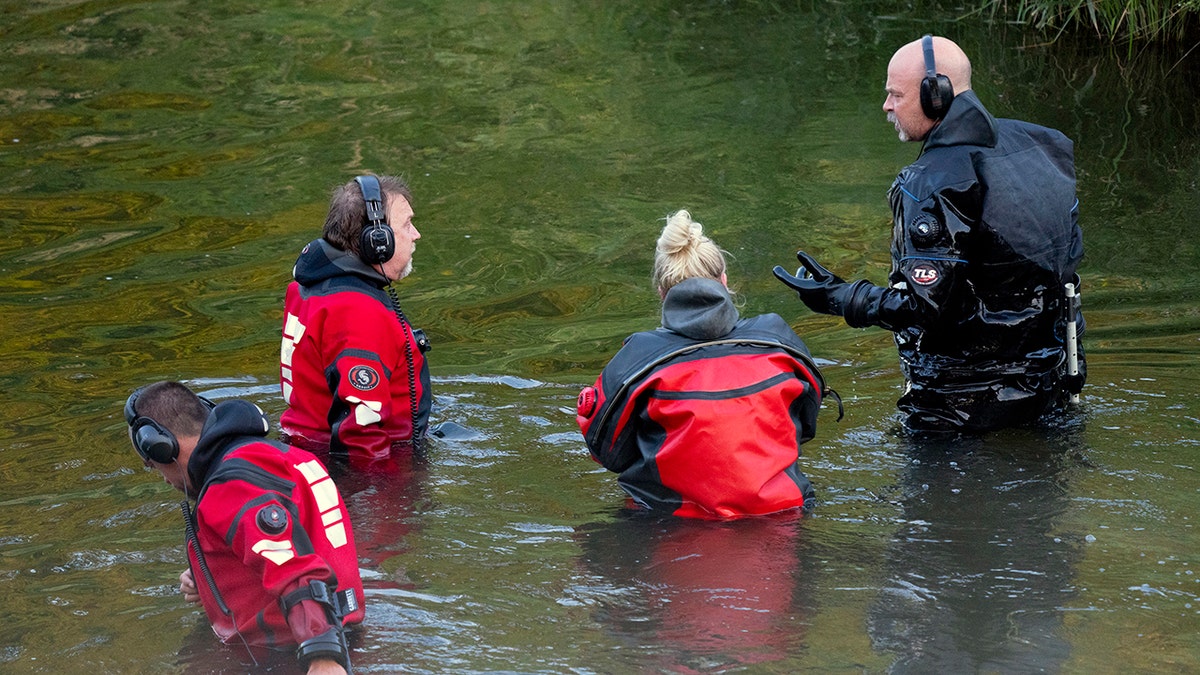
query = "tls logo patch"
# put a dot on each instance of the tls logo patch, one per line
(925, 275)
(363, 378)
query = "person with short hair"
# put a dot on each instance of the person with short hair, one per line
(271, 553)
(985, 245)
(704, 417)
(352, 368)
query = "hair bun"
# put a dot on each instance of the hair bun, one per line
(684, 251)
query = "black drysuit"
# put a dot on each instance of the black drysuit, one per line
(985, 236)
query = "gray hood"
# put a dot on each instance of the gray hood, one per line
(699, 308)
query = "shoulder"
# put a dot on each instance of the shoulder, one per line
(1016, 135)
(357, 303)
(259, 457)
(645, 342)
(771, 322)
(1029, 128)
(939, 169)
(640, 349)
(342, 288)
(770, 326)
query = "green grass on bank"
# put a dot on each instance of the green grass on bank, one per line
(1115, 20)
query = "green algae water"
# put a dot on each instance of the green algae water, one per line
(163, 163)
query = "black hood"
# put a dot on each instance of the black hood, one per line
(966, 123)
(228, 421)
(699, 308)
(321, 260)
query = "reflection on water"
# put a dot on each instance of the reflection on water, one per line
(163, 164)
(978, 572)
(698, 596)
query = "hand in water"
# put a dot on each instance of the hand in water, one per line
(187, 586)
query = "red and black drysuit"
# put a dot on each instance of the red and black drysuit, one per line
(352, 371)
(274, 540)
(705, 416)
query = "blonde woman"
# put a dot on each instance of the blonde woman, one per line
(704, 417)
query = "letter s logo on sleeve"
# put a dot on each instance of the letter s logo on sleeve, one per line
(363, 378)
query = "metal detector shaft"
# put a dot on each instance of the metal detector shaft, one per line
(1073, 303)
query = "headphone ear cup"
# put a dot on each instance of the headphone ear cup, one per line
(377, 244)
(154, 442)
(936, 90)
(936, 95)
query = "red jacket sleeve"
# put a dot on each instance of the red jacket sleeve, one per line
(359, 349)
(263, 529)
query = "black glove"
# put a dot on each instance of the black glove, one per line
(823, 291)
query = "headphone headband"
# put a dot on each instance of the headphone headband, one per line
(927, 48)
(377, 242)
(153, 441)
(936, 90)
(373, 198)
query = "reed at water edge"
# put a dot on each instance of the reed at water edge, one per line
(1114, 20)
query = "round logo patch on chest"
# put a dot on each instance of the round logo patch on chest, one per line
(363, 378)
(925, 275)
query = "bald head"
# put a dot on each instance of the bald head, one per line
(950, 60)
(904, 75)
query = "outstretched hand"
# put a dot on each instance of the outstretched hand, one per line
(821, 290)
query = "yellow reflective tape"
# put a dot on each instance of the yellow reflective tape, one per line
(277, 552)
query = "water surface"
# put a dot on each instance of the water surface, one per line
(164, 162)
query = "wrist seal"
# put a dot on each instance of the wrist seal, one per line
(859, 310)
(327, 645)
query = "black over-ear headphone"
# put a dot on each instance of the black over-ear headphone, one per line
(936, 90)
(377, 242)
(153, 441)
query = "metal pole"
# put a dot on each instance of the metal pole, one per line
(1073, 302)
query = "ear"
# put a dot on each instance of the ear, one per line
(724, 281)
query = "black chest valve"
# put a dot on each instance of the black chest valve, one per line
(926, 230)
(272, 519)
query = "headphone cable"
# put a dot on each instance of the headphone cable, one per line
(193, 542)
(417, 435)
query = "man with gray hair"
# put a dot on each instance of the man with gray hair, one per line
(352, 367)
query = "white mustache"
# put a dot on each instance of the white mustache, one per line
(891, 117)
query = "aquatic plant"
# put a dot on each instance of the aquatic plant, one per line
(1128, 20)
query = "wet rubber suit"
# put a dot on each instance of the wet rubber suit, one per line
(277, 565)
(352, 369)
(985, 236)
(705, 416)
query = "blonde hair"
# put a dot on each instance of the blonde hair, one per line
(684, 252)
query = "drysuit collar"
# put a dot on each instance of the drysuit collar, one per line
(966, 123)
(228, 421)
(321, 260)
(699, 308)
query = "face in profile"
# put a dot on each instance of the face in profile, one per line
(400, 218)
(903, 101)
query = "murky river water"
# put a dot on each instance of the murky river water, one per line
(163, 163)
